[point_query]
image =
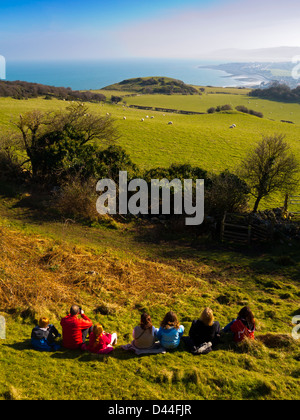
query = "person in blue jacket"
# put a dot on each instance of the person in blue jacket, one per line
(170, 331)
(43, 336)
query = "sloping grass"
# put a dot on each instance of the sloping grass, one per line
(271, 109)
(42, 274)
(115, 274)
(201, 140)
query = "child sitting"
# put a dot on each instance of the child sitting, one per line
(43, 336)
(204, 333)
(144, 334)
(100, 342)
(243, 326)
(170, 331)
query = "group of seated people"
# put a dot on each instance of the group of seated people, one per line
(204, 333)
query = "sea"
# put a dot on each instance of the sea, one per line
(96, 74)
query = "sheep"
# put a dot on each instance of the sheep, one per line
(170, 122)
(142, 119)
(152, 117)
(232, 126)
(124, 118)
(147, 116)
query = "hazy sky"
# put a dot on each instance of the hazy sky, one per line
(72, 29)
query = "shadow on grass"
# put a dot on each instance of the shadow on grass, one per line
(117, 353)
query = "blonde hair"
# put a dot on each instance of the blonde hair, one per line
(207, 317)
(98, 331)
(43, 322)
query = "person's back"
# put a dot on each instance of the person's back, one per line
(144, 338)
(202, 333)
(170, 337)
(241, 330)
(170, 331)
(100, 342)
(244, 325)
(73, 328)
(43, 336)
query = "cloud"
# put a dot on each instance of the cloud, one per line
(189, 31)
(246, 24)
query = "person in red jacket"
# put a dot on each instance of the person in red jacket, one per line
(243, 326)
(75, 329)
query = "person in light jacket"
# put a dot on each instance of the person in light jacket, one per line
(170, 331)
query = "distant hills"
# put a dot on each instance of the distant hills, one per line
(25, 90)
(275, 54)
(150, 85)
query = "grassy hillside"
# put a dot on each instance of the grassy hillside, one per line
(153, 85)
(47, 264)
(202, 140)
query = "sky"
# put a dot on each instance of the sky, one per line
(95, 29)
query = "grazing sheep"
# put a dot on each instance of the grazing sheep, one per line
(170, 122)
(124, 118)
(142, 119)
(107, 113)
(232, 126)
(152, 117)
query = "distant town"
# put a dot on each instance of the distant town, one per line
(257, 74)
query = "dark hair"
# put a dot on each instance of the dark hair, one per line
(145, 321)
(170, 320)
(74, 310)
(246, 313)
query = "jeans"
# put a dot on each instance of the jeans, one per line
(227, 327)
(85, 333)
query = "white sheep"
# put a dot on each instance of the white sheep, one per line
(170, 122)
(124, 118)
(152, 117)
(142, 119)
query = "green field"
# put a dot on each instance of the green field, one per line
(44, 266)
(202, 140)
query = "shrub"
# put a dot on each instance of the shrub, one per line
(226, 107)
(77, 199)
(211, 110)
(10, 167)
(228, 193)
(242, 108)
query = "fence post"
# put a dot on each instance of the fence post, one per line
(223, 227)
(249, 234)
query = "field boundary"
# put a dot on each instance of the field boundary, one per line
(173, 111)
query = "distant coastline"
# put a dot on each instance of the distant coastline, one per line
(93, 75)
(256, 74)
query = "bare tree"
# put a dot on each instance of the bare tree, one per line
(270, 167)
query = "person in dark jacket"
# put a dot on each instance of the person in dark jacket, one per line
(204, 333)
(43, 336)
